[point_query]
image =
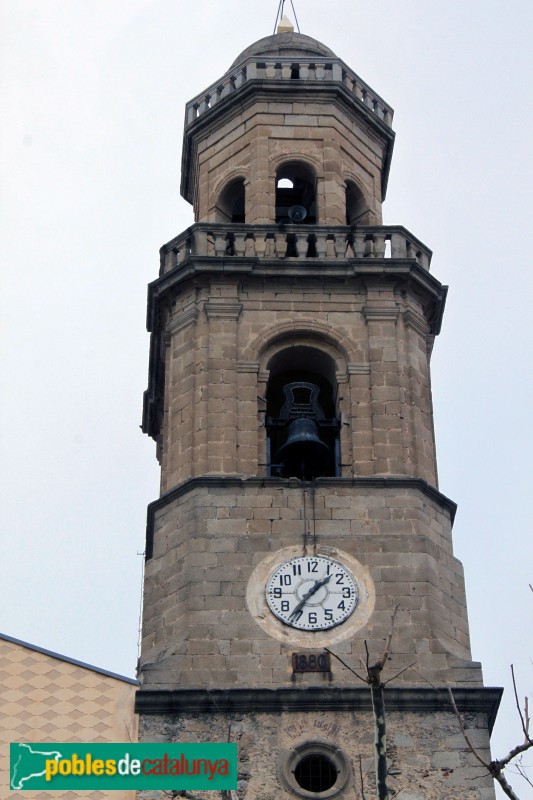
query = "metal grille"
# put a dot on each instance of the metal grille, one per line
(316, 773)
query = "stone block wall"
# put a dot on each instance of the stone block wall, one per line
(254, 138)
(221, 334)
(216, 541)
(428, 757)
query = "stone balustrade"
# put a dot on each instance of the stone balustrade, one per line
(293, 243)
(282, 69)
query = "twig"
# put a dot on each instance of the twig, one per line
(344, 664)
(495, 768)
(525, 723)
(361, 777)
(465, 735)
(399, 673)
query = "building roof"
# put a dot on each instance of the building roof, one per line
(52, 654)
(285, 45)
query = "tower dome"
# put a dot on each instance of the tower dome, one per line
(285, 45)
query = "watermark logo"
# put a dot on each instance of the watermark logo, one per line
(64, 767)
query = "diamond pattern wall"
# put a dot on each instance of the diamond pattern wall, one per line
(45, 697)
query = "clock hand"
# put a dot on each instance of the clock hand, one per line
(316, 586)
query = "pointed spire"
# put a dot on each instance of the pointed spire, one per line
(285, 25)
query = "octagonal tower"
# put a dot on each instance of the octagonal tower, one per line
(289, 397)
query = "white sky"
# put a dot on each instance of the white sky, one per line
(92, 97)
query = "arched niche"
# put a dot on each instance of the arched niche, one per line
(296, 194)
(231, 202)
(302, 384)
(357, 210)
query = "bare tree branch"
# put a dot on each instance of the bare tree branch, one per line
(525, 722)
(361, 778)
(344, 664)
(495, 768)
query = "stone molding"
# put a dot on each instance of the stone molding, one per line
(358, 369)
(220, 309)
(248, 366)
(485, 700)
(183, 320)
(413, 320)
(380, 314)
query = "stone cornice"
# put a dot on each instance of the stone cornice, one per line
(231, 482)
(485, 700)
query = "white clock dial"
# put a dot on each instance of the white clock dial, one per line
(312, 593)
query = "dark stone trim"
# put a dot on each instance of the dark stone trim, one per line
(224, 482)
(485, 700)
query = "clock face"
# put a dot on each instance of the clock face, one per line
(312, 593)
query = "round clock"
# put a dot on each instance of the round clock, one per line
(312, 593)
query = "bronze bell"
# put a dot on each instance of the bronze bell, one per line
(303, 455)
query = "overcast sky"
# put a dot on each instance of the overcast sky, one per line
(92, 96)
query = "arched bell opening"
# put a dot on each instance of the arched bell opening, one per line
(301, 420)
(231, 203)
(356, 205)
(296, 194)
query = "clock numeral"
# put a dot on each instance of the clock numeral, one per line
(297, 615)
(342, 606)
(276, 591)
(284, 605)
(340, 578)
(328, 614)
(312, 618)
(312, 566)
(346, 592)
(285, 580)
(296, 569)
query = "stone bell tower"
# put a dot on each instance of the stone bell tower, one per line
(289, 397)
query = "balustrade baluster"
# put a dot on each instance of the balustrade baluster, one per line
(359, 245)
(220, 243)
(279, 245)
(249, 245)
(321, 244)
(379, 245)
(369, 245)
(270, 246)
(239, 243)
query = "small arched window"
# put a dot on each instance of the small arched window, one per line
(296, 194)
(230, 206)
(301, 420)
(356, 206)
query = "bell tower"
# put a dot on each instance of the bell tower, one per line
(289, 397)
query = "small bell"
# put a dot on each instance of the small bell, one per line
(303, 455)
